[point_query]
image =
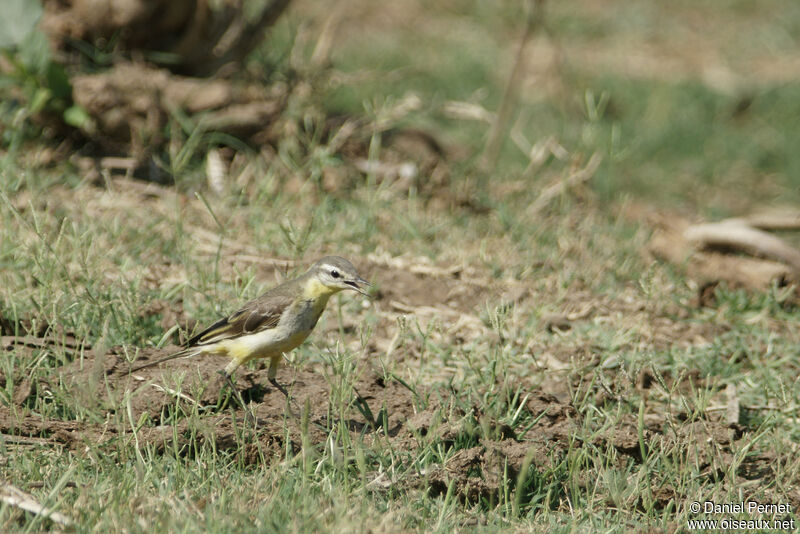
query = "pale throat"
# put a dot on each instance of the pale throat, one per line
(315, 290)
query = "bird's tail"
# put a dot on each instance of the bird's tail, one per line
(183, 353)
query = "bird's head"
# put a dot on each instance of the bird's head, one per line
(337, 274)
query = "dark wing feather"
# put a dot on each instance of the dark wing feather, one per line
(260, 314)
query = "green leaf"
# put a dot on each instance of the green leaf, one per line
(40, 99)
(18, 20)
(76, 116)
(58, 81)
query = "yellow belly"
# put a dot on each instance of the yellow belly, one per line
(247, 348)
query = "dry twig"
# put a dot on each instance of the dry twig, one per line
(735, 234)
(789, 220)
(14, 496)
(553, 191)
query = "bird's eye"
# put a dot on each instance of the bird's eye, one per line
(335, 273)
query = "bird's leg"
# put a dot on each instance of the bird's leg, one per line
(273, 371)
(248, 413)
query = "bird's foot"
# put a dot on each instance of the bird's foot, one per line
(289, 400)
(279, 386)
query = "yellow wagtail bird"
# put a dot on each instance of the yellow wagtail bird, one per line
(274, 323)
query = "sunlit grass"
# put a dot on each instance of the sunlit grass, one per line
(90, 262)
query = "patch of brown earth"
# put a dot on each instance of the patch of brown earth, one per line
(183, 406)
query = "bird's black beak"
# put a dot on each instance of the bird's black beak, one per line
(359, 284)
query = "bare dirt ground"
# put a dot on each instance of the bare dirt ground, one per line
(478, 471)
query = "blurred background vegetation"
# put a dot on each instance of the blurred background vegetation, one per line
(691, 104)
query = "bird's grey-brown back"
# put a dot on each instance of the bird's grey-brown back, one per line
(263, 312)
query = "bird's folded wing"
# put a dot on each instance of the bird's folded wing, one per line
(260, 314)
